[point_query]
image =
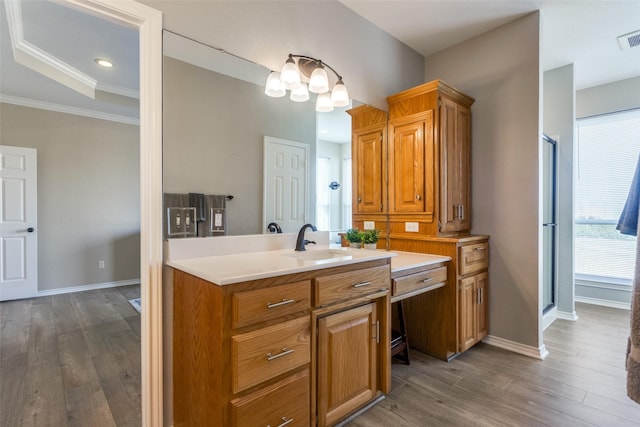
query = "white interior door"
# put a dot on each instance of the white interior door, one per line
(286, 180)
(18, 223)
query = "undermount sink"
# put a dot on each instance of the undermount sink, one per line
(320, 255)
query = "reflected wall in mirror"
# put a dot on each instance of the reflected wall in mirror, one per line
(215, 119)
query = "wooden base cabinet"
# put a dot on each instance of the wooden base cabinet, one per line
(303, 349)
(449, 320)
(347, 362)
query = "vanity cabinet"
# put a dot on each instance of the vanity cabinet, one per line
(449, 320)
(429, 160)
(284, 350)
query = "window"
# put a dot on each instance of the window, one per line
(608, 149)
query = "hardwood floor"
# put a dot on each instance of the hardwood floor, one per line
(581, 383)
(74, 360)
(71, 360)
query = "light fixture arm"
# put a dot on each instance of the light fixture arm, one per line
(318, 61)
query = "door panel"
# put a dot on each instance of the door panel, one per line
(286, 178)
(18, 223)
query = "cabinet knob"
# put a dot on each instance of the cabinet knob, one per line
(359, 199)
(418, 197)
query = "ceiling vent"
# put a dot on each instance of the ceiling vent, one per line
(630, 40)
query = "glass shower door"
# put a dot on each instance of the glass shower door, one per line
(549, 234)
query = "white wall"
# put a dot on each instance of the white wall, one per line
(559, 123)
(333, 152)
(501, 70)
(372, 63)
(88, 195)
(616, 96)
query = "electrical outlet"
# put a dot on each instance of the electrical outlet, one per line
(411, 227)
(101, 264)
(369, 225)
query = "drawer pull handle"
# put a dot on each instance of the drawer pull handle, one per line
(285, 422)
(479, 248)
(284, 352)
(427, 280)
(278, 304)
(359, 285)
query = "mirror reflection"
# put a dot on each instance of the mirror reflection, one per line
(222, 136)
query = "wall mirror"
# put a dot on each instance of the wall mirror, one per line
(215, 120)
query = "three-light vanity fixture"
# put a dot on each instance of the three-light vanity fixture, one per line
(290, 78)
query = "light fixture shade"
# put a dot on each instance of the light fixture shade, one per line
(339, 95)
(319, 82)
(273, 87)
(290, 75)
(324, 103)
(301, 94)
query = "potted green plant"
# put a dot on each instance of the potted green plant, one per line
(354, 236)
(370, 238)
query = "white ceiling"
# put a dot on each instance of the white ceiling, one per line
(582, 32)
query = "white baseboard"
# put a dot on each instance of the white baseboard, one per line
(537, 353)
(566, 315)
(549, 317)
(604, 302)
(81, 288)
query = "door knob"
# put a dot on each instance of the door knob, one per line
(30, 229)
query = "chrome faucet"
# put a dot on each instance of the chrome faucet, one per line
(274, 227)
(301, 242)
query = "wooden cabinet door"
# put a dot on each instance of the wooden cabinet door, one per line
(368, 170)
(347, 362)
(482, 286)
(455, 163)
(466, 313)
(411, 167)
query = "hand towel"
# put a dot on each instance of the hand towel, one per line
(196, 200)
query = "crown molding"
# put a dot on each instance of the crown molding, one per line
(49, 106)
(41, 61)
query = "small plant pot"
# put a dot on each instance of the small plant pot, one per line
(355, 245)
(371, 246)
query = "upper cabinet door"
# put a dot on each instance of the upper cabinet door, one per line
(370, 159)
(455, 208)
(411, 151)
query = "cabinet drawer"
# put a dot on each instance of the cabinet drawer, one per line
(275, 405)
(423, 279)
(474, 258)
(343, 286)
(268, 352)
(269, 303)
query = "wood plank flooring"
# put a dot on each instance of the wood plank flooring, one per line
(74, 360)
(71, 360)
(581, 383)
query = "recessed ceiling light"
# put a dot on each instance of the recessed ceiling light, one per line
(104, 63)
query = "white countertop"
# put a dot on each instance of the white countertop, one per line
(407, 260)
(234, 268)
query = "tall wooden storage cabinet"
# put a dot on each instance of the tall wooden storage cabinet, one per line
(424, 205)
(369, 171)
(429, 161)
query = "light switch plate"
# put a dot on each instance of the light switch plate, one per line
(369, 225)
(411, 227)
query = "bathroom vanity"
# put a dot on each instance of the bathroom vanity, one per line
(279, 337)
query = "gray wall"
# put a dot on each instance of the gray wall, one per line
(372, 63)
(559, 122)
(617, 96)
(88, 195)
(213, 130)
(501, 70)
